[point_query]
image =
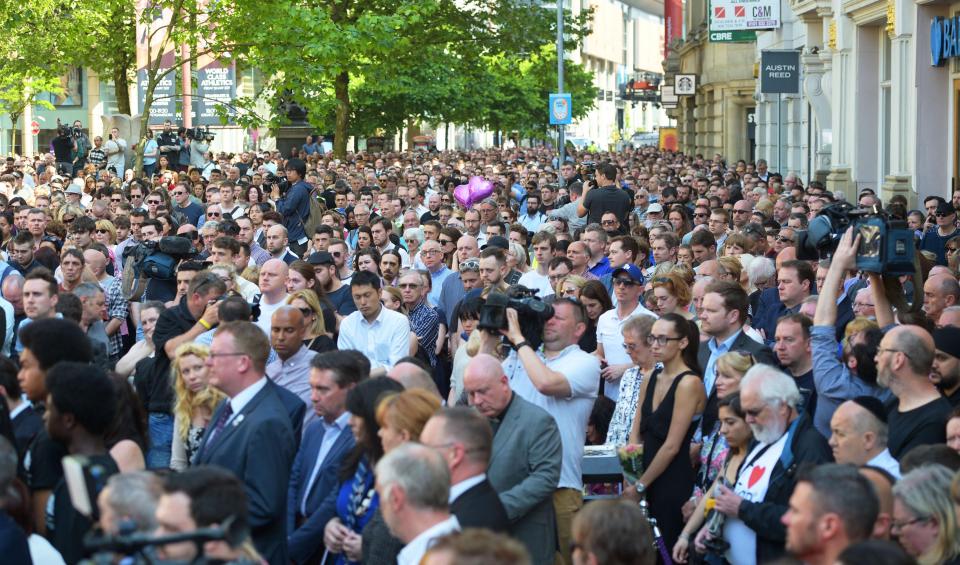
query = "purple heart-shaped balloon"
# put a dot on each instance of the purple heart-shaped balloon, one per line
(462, 194)
(480, 188)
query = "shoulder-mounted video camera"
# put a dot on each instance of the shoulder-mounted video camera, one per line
(532, 313)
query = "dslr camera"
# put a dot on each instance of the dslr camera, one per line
(589, 171)
(532, 312)
(272, 180)
(886, 244)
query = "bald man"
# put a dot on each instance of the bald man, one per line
(273, 291)
(939, 292)
(409, 372)
(526, 457)
(918, 413)
(859, 435)
(291, 369)
(278, 244)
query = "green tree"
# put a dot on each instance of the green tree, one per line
(103, 37)
(394, 60)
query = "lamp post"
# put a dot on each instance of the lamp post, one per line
(561, 147)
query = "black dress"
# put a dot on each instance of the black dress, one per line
(672, 488)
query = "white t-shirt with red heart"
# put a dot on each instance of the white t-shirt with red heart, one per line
(752, 484)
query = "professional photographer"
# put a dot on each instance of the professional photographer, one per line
(205, 497)
(562, 379)
(294, 204)
(64, 146)
(603, 195)
(198, 152)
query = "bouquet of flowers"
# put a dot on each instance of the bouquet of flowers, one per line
(631, 461)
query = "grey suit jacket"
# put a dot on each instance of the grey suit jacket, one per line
(258, 446)
(525, 470)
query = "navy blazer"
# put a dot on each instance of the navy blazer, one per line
(294, 406)
(258, 446)
(307, 540)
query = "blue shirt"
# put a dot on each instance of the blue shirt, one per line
(437, 280)
(716, 351)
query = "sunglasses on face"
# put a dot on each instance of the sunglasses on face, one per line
(213, 214)
(116, 200)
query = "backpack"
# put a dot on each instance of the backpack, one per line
(312, 222)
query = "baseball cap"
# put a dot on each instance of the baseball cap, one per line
(74, 189)
(632, 270)
(320, 258)
(497, 241)
(947, 339)
(655, 208)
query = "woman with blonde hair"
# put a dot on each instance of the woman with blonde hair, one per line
(729, 268)
(517, 258)
(402, 416)
(570, 286)
(924, 518)
(196, 401)
(319, 337)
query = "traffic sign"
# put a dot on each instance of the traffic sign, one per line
(34, 127)
(561, 109)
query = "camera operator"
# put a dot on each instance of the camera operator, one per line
(82, 147)
(198, 153)
(562, 379)
(294, 204)
(203, 497)
(64, 146)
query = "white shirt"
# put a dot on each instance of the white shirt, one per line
(582, 371)
(265, 321)
(465, 485)
(331, 433)
(384, 341)
(883, 460)
(751, 485)
(534, 280)
(609, 326)
(413, 552)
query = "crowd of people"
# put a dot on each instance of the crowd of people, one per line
(301, 359)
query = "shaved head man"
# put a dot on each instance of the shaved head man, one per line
(904, 361)
(939, 292)
(273, 292)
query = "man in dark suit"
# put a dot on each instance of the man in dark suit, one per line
(722, 315)
(526, 456)
(251, 433)
(325, 443)
(465, 439)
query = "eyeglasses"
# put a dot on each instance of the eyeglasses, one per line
(901, 525)
(701, 215)
(782, 238)
(408, 285)
(624, 282)
(431, 252)
(631, 346)
(661, 340)
(881, 350)
(858, 305)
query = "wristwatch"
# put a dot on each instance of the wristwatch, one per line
(641, 488)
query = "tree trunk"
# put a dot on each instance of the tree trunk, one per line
(341, 87)
(14, 118)
(121, 90)
(446, 136)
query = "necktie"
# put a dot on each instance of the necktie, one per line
(221, 422)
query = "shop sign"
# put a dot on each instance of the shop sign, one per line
(736, 36)
(730, 15)
(944, 39)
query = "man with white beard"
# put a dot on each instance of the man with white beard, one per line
(784, 439)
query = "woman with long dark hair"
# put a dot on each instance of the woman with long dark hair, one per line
(669, 400)
(357, 499)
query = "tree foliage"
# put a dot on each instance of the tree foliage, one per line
(361, 66)
(103, 37)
